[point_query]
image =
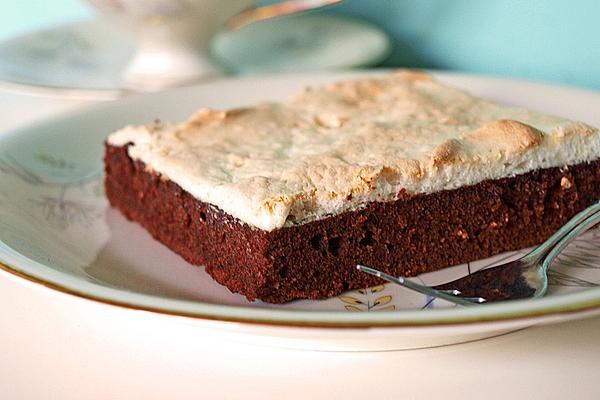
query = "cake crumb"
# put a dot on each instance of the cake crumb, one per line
(461, 234)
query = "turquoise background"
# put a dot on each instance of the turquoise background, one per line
(549, 40)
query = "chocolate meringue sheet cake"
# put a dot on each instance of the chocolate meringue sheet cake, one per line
(402, 173)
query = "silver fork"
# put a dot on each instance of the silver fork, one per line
(526, 277)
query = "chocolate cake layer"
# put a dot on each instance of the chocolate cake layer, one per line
(409, 236)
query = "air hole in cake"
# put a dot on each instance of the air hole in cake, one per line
(317, 242)
(334, 244)
(345, 286)
(389, 247)
(367, 240)
(202, 216)
(283, 272)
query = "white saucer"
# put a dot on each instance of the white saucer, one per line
(86, 59)
(82, 60)
(302, 43)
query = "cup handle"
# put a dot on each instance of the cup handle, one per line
(275, 10)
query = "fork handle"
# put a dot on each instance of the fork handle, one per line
(551, 243)
(586, 224)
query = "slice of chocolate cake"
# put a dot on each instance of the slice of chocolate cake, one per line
(282, 200)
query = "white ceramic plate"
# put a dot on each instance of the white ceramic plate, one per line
(56, 229)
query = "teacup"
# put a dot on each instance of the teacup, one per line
(173, 36)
